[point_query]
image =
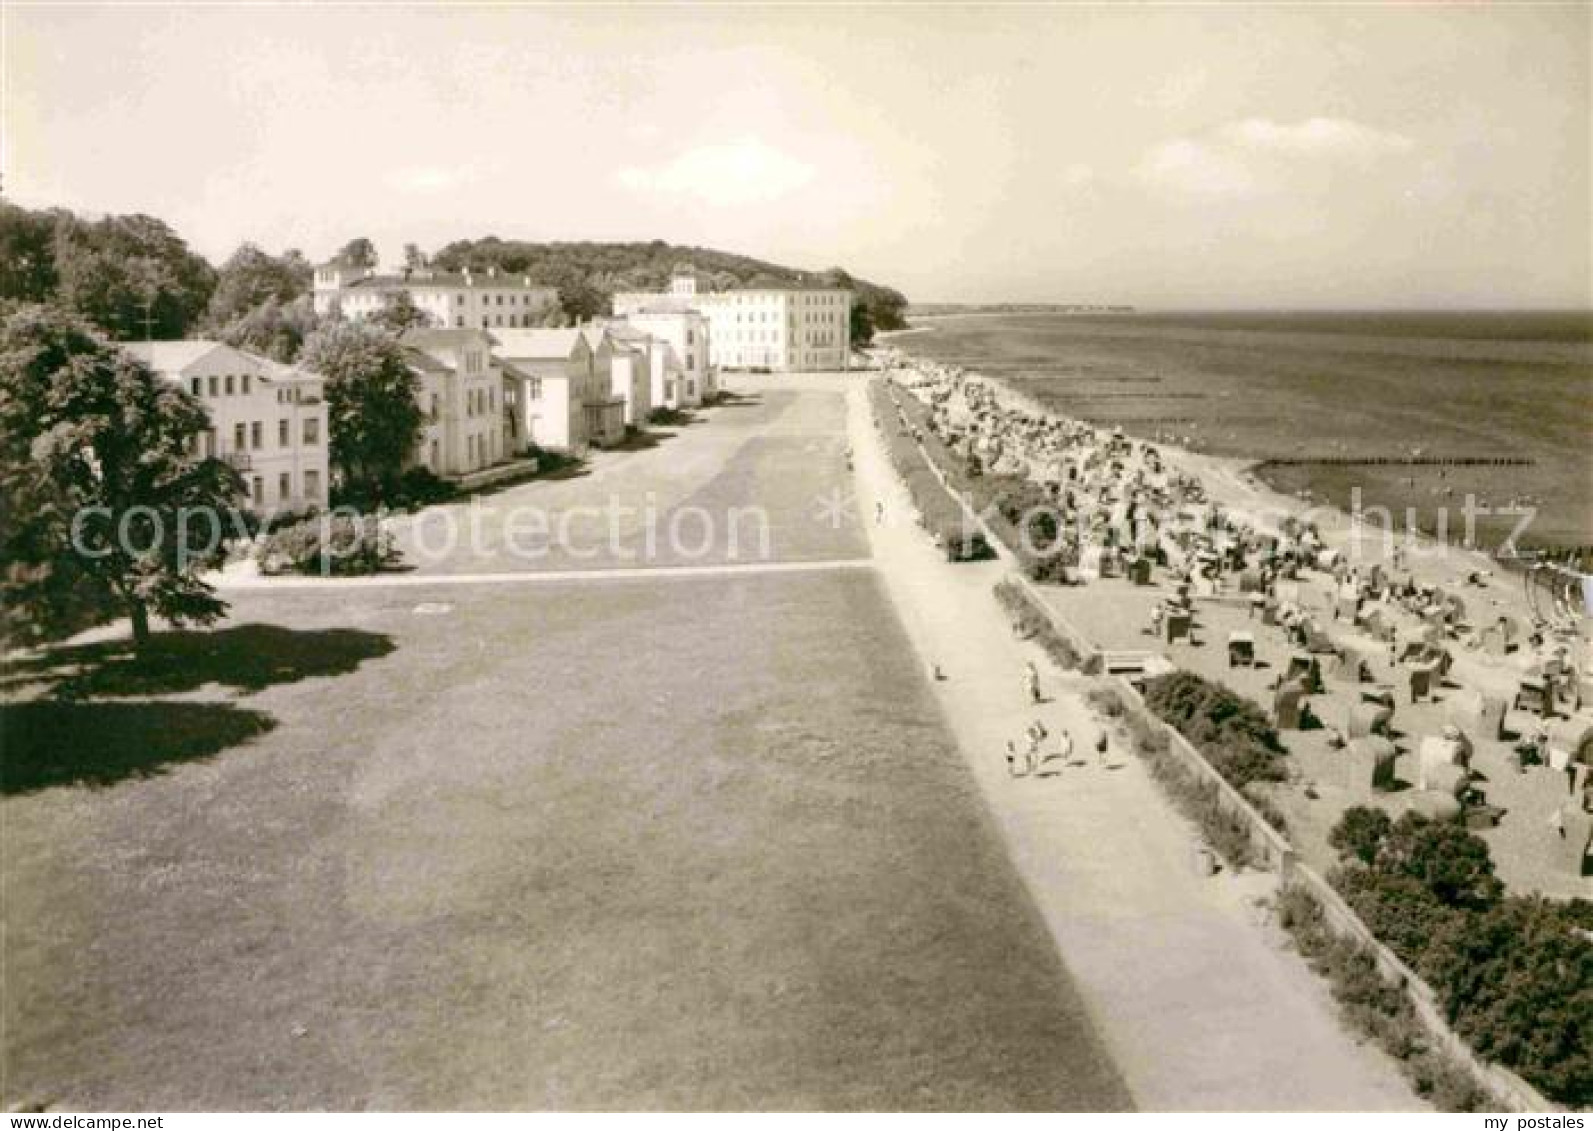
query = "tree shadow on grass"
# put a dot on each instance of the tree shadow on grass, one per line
(248, 658)
(50, 743)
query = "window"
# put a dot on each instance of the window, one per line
(238, 437)
(312, 484)
(213, 385)
(195, 385)
(533, 389)
(256, 435)
(284, 486)
(282, 433)
(312, 430)
(229, 384)
(244, 380)
(257, 490)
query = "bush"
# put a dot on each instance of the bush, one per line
(1516, 982)
(339, 545)
(1360, 833)
(1399, 910)
(941, 514)
(1514, 976)
(1231, 731)
(419, 486)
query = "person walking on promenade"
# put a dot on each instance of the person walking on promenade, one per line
(1012, 761)
(1031, 682)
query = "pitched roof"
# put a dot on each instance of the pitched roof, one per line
(540, 343)
(423, 361)
(443, 337)
(171, 357)
(421, 280)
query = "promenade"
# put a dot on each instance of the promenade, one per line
(1200, 1005)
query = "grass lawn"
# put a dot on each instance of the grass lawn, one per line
(655, 844)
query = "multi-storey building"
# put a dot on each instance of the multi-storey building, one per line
(560, 389)
(267, 420)
(780, 330)
(628, 369)
(460, 393)
(688, 333)
(455, 300)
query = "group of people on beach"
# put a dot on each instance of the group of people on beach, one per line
(1124, 507)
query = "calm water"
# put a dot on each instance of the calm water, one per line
(1322, 386)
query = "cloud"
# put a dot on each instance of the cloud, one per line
(1246, 158)
(1315, 137)
(746, 171)
(1197, 169)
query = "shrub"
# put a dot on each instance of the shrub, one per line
(1399, 910)
(1231, 731)
(1514, 976)
(331, 544)
(1516, 981)
(1360, 833)
(419, 486)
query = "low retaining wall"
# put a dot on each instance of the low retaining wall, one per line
(1269, 845)
(1341, 917)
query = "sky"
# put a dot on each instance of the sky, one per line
(1192, 156)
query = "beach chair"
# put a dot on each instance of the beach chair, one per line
(1367, 763)
(1364, 720)
(1436, 752)
(1476, 713)
(1423, 680)
(1303, 669)
(1241, 650)
(1288, 706)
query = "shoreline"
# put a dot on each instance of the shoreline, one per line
(1239, 484)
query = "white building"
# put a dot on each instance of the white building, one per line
(460, 400)
(560, 389)
(781, 330)
(454, 300)
(628, 369)
(689, 336)
(266, 419)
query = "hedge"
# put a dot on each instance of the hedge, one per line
(1513, 975)
(1230, 730)
(340, 545)
(941, 514)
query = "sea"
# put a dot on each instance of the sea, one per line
(1412, 411)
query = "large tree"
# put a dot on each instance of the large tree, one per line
(27, 253)
(251, 278)
(399, 313)
(132, 276)
(372, 400)
(358, 252)
(276, 329)
(106, 509)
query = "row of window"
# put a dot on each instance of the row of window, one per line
(312, 487)
(250, 436)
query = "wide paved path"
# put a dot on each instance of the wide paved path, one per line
(1199, 1007)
